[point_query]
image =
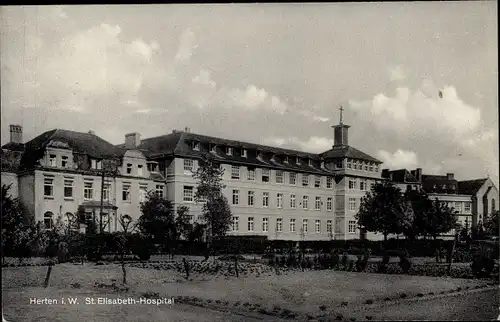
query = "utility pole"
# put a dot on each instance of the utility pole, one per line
(102, 196)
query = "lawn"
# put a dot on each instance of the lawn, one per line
(302, 292)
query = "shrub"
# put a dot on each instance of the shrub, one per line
(369, 302)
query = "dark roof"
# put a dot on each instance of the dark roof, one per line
(10, 160)
(345, 151)
(84, 143)
(156, 176)
(177, 144)
(401, 176)
(12, 146)
(439, 184)
(470, 187)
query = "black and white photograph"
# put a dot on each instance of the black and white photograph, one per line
(250, 162)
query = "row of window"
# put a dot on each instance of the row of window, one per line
(88, 190)
(291, 226)
(266, 175)
(53, 161)
(457, 206)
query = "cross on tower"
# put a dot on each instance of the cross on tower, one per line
(341, 110)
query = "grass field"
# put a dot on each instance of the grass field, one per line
(303, 292)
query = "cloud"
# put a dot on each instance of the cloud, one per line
(419, 112)
(401, 159)
(249, 98)
(396, 73)
(311, 115)
(187, 46)
(313, 144)
(204, 78)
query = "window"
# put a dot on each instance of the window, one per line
(317, 182)
(48, 220)
(458, 207)
(126, 192)
(340, 164)
(322, 165)
(188, 165)
(329, 226)
(265, 199)
(279, 200)
(236, 197)
(250, 224)
(493, 205)
(371, 168)
(292, 201)
(297, 160)
(310, 162)
(376, 168)
(366, 167)
(352, 203)
(292, 225)
(251, 174)
(305, 200)
(352, 226)
(287, 160)
(304, 225)
(362, 185)
(88, 190)
(329, 182)
(195, 145)
(244, 153)
(64, 161)
(329, 203)
(160, 191)
(292, 178)
(352, 184)
(265, 224)
(129, 168)
(53, 160)
(317, 203)
(279, 176)
(140, 172)
(68, 188)
(105, 191)
(279, 224)
(229, 151)
(305, 180)
(188, 195)
(235, 172)
(251, 195)
(265, 175)
(317, 226)
(349, 164)
(143, 191)
(48, 187)
(235, 223)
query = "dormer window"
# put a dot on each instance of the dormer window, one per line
(322, 164)
(64, 161)
(244, 153)
(140, 170)
(213, 148)
(297, 160)
(53, 160)
(340, 164)
(229, 151)
(310, 162)
(286, 159)
(95, 164)
(129, 168)
(195, 145)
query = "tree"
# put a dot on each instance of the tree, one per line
(19, 230)
(491, 224)
(157, 221)
(184, 228)
(52, 240)
(439, 219)
(385, 210)
(122, 239)
(216, 213)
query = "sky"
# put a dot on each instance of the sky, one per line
(274, 74)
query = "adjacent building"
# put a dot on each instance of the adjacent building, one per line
(472, 199)
(273, 192)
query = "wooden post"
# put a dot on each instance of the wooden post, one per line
(451, 253)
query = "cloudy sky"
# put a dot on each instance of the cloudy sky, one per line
(266, 73)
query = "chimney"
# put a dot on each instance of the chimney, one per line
(418, 174)
(385, 174)
(187, 130)
(16, 134)
(91, 132)
(132, 140)
(450, 176)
